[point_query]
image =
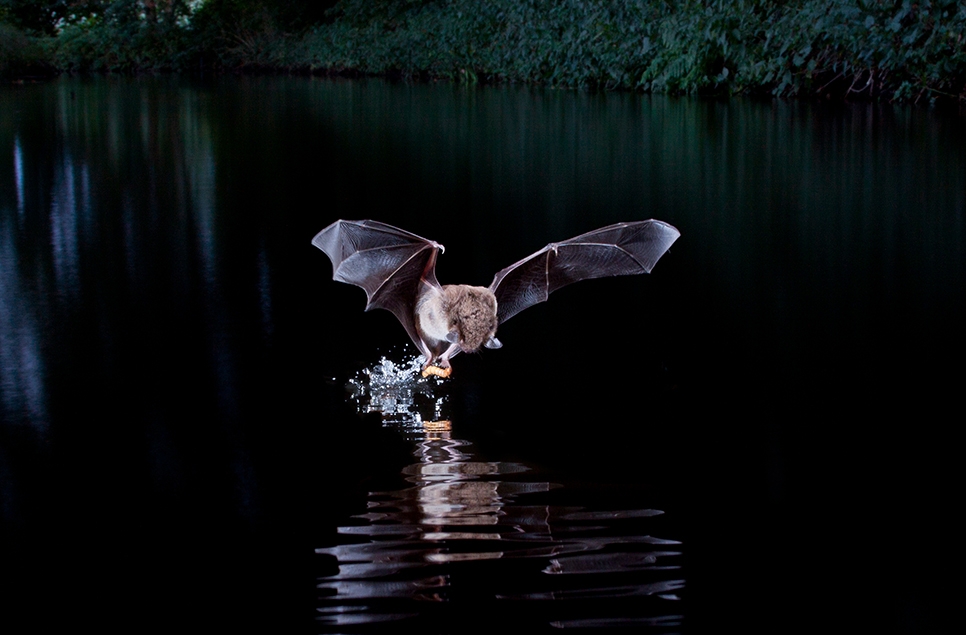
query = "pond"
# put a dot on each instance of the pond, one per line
(759, 433)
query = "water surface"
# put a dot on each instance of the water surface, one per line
(179, 433)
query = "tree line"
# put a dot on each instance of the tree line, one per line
(901, 50)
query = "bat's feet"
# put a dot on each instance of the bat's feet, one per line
(436, 370)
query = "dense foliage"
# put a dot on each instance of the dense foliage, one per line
(21, 53)
(897, 49)
(900, 49)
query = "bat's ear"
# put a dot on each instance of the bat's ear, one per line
(493, 343)
(453, 337)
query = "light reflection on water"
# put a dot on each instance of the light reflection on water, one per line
(167, 329)
(434, 543)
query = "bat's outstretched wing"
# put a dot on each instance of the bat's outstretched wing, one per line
(389, 263)
(615, 250)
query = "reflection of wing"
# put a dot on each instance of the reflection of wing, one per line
(615, 250)
(389, 263)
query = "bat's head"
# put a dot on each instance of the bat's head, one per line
(472, 316)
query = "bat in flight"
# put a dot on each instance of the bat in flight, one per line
(397, 269)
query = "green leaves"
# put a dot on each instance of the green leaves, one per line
(22, 54)
(896, 50)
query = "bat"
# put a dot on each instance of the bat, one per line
(397, 270)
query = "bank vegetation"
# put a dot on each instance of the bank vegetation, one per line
(898, 50)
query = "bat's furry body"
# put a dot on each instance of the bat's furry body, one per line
(397, 269)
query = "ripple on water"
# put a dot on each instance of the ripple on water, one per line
(475, 545)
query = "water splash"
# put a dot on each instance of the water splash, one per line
(398, 391)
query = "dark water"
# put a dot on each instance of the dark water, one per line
(759, 435)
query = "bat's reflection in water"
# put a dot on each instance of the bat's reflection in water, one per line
(490, 541)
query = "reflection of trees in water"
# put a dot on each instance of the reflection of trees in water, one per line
(115, 187)
(463, 533)
(21, 361)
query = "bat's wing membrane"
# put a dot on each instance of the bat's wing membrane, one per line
(390, 264)
(615, 250)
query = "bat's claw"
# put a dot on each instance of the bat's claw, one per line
(436, 370)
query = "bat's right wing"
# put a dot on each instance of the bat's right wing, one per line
(615, 250)
(390, 264)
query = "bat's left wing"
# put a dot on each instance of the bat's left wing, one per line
(615, 250)
(389, 263)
